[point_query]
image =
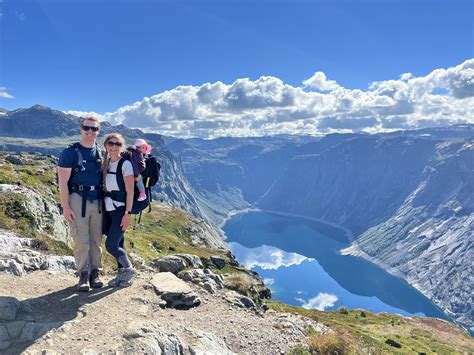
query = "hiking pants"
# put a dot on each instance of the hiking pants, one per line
(115, 236)
(86, 233)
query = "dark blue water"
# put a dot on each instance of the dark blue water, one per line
(303, 267)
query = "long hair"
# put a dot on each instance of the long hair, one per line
(105, 165)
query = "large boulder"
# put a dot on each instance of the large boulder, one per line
(17, 258)
(43, 212)
(204, 278)
(175, 292)
(177, 262)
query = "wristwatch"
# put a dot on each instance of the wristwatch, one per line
(128, 212)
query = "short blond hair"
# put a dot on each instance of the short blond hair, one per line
(95, 119)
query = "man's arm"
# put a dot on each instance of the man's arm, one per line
(63, 176)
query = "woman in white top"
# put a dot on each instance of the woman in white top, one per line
(118, 205)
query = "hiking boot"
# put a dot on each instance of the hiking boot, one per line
(116, 281)
(94, 280)
(83, 284)
(128, 275)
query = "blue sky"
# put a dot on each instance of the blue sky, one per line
(102, 55)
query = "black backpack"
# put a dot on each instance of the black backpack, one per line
(150, 174)
(79, 166)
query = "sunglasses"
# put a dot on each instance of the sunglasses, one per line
(111, 144)
(92, 128)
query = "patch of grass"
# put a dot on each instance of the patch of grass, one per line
(370, 333)
(54, 246)
(299, 350)
(327, 344)
(15, 216)
(162, 232)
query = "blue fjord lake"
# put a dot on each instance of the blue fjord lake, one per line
(300, 262)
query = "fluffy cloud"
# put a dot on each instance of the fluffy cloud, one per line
(266, 257)
(269, 106)
(320, 82)
(85, 114)
(4, 94)
(322, 301)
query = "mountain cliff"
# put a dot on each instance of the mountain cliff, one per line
(406, 196)
(191, 296)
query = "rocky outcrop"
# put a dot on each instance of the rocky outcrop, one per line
(41, 212)
(18, 258)
(204, 278)
(177, 262)
(175, 292)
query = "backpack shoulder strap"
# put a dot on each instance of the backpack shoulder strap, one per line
(79, 165)
(119, 175)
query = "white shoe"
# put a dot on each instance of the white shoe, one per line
(116, 281)
(127, 277)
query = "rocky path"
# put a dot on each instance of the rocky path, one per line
(54, 316)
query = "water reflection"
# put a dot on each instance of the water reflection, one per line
(306, 269)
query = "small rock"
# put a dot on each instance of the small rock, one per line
(218, 261)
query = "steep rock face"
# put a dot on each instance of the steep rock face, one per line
(407, 197)
(43, 213)
(357, 183)
(429, 240)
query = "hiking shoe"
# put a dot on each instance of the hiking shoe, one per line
(83, 284)
(116, 281)
(128, 275)
(94, 280)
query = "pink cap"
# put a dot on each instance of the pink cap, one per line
(140, 142)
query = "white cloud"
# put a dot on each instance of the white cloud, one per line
(269, 106)
(321, 301)
(268, 281)
(266, 257)
(320, 82)
(85, 114)
(4, 94)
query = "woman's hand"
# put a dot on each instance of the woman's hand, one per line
(125, 221)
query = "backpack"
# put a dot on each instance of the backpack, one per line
(150, 175)
(79, 166)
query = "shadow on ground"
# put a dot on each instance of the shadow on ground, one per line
(39, 315)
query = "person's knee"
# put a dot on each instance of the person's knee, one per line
(82, 246)
(111, 245)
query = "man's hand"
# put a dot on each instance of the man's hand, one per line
(125, 222)
(68, 214)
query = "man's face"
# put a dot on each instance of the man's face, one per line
(89, 130)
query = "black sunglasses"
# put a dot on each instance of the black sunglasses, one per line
(111, 144)
(92, 128)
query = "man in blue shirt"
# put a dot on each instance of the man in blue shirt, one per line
(79, 173)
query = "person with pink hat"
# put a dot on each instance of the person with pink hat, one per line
(143, 148)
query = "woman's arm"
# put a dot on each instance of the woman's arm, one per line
(129, 188)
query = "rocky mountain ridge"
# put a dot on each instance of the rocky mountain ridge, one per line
(361, 182)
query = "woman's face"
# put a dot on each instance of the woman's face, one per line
(113, 146)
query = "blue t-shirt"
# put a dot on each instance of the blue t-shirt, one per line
(88, 177)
